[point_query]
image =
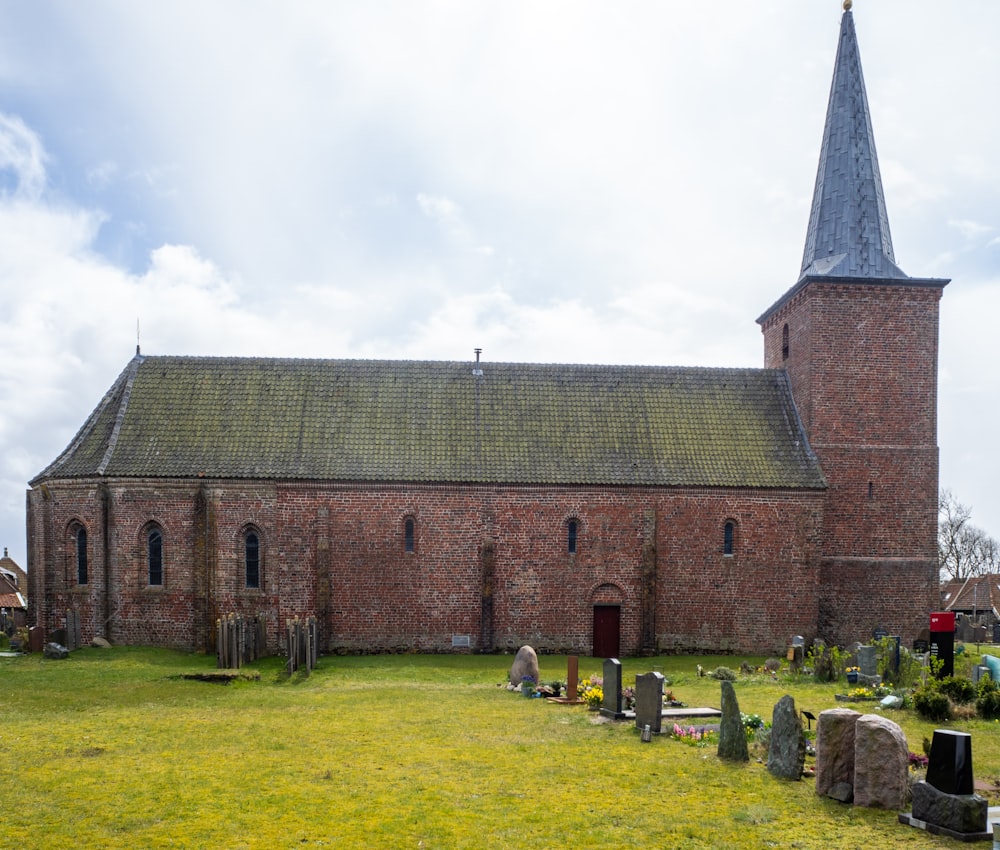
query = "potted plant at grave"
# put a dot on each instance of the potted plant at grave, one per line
(852, 675)
(527, 686)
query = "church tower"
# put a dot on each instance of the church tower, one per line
(858, 339)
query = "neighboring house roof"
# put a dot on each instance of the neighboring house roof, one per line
(9, 566)
(980, 593)
(9, 595)
(367, 420)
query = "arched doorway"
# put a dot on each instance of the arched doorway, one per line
(607, 602)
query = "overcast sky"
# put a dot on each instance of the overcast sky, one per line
(548, 181)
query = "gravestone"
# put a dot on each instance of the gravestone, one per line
(964, 814)
(649, 701)
(36, 639)
(868, 660)
(572, 676)
(525, 664)
(786, 755)
(881, 763)
(835, 753)
(55, 650)
(949, 763)
(732, 735)
(612, 705)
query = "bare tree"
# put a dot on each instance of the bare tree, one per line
(963, 549)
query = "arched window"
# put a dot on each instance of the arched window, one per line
(81, 555)
(251, 558)
(154, 556)
(571, 529)
(729, 538)
(409, 535)
(784, 342)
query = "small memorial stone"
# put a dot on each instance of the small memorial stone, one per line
(525, 664)
(56, 650)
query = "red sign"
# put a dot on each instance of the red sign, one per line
(942, 621)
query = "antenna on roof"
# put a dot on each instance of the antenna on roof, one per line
(137, 336)
(477, 370)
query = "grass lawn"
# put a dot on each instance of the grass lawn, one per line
(112, 748)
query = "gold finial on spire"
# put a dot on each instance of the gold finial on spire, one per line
(847, 5)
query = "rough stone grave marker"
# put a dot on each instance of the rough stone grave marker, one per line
(649, 701)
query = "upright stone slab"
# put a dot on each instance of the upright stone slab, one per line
(732, 735)
(881, 762)
(649, 701)
(868, 660)
(949, 763)
(525, 664)
(835, 753)
(786, 755)
(612, 705)
(36, 639)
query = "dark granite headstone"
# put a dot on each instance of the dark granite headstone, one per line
(58, 636)
(786, 755)
(612, 705)
(649, 701)
(36, 639)
(949, 764)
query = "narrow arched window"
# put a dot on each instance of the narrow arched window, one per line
(728, 538)
(571, 537)
(154, 556)
(81, 555)
(784, 342)
(409, 535)
(251, 559)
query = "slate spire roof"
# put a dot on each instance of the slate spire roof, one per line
(435, 422)
(848, 234)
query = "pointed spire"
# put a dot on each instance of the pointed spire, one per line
(848, 233)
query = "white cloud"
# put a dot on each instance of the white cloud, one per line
(22, 157)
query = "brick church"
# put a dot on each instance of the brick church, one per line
(478, 506)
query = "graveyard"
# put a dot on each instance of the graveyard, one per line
(123, 747)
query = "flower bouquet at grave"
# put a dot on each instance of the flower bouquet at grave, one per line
(591, 691)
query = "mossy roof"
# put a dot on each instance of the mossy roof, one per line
(410, 421)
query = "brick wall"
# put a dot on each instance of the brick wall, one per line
(339, 552)
(862, 362)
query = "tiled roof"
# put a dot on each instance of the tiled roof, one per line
(364, 420)
(980, 593)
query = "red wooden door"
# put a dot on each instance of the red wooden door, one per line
(607, 624)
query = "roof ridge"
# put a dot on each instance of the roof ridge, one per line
(131, 370)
